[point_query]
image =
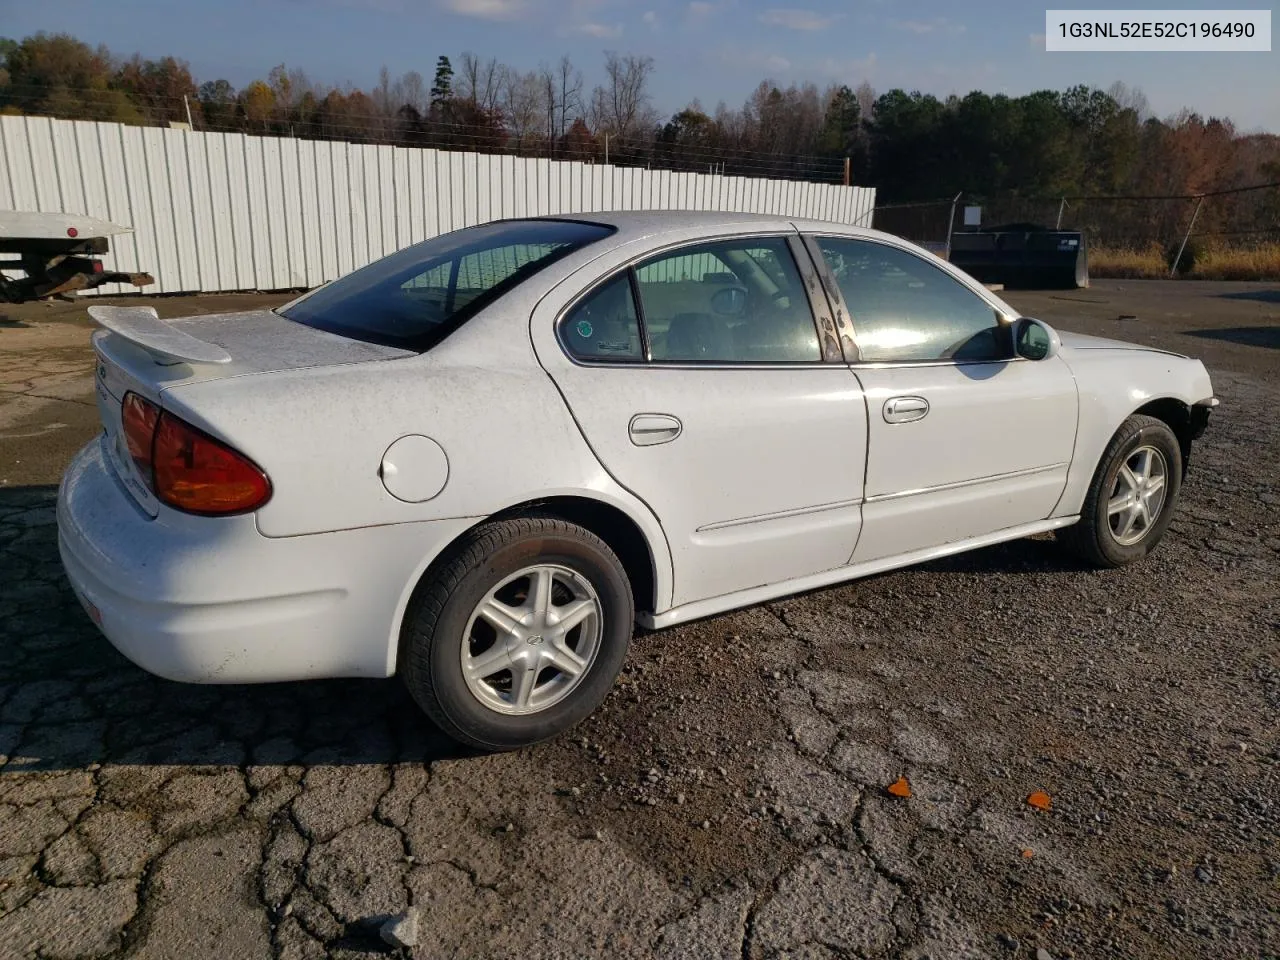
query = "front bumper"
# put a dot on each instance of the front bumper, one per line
(211, 600)
(1200, 416)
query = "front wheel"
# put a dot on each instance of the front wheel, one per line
(519, 634)
(1130, 501)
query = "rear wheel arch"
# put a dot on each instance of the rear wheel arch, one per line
(620, 532)
(615, 528)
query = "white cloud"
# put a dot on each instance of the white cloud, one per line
(755, 60)
(793, 19)
(651, 18)
(601, 31)
(936, 25)
(848, 70)
(1036, 41)
(486, 9)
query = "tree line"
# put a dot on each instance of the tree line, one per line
(910, 145)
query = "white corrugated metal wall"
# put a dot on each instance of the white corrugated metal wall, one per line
(226, 211)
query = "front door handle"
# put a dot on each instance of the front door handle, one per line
(905, 409)
(648, 429)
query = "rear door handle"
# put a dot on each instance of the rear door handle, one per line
(905, 409)
(648, 429)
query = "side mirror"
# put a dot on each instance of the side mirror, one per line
(1035, 339)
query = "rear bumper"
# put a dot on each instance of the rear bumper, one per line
(211, 600)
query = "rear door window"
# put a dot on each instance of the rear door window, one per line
(729, 301)
(414, 298)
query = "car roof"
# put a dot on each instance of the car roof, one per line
(637, 224)
(650, 226)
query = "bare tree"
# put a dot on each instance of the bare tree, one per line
(290, 90)
(866, 95)
(570, 92)
(523, 103)
(621, 106)
(381, 94)
(562, 91)
(480, 82)
(547, 87)
(411, 91)
(1131, 98)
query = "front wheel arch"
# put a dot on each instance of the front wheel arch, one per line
(1177, 416)
(1089, 538)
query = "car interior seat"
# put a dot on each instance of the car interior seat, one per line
(699, 336)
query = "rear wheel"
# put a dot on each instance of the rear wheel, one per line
(519, 634)
(1130, 501)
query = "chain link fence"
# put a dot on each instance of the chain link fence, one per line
(1229, 235)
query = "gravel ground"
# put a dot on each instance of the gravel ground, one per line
(729, 800)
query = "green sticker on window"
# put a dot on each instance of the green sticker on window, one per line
(584, 329)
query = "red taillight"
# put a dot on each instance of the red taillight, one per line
(188, 469)
(72, 232)
(139, 417)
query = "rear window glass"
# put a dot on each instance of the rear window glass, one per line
(414, 298)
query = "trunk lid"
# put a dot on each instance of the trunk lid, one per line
(138, 352)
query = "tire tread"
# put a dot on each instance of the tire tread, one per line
(428, 603)
(1084, 539)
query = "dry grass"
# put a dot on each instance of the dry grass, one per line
(1124, 263)
(1261, 262)
(1225, 263)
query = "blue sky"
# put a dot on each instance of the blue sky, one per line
(710, 49)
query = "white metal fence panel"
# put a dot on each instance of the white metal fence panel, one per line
(214, 212)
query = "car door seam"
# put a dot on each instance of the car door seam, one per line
(603, 466)
(1075, 440)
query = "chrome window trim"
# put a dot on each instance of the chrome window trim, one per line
(904, 364)
(686, 365)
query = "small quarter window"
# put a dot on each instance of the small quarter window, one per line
(603, 325)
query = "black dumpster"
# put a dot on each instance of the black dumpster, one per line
(1023, 255)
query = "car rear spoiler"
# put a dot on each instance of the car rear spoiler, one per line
(143, 326)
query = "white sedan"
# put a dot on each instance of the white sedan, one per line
(476, 462)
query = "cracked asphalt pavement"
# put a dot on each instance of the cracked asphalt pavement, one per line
(729, 799)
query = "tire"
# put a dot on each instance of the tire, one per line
(1098, 538)
(444, 617)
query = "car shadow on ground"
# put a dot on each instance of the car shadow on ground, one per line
(1263, 296)
(1248, 336)
(68, 700)
(1040, 555)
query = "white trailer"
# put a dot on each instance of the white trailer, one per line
(55, 253)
